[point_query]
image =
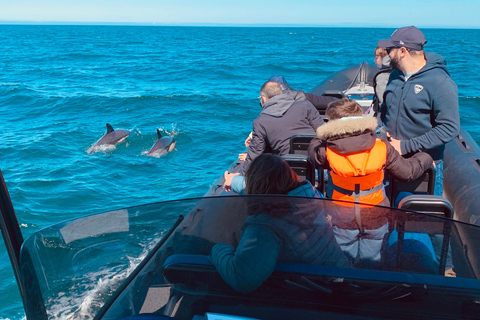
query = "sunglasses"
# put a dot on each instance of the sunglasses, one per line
(390, 49)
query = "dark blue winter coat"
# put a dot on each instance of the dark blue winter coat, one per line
(302, 235)
(423, 111)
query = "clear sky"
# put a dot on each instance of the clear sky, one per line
(421, 13)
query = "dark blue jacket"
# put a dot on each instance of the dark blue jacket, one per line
(423, 111)
(303, 235)
(281, 118)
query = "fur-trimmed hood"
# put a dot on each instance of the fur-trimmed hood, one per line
(346, 126)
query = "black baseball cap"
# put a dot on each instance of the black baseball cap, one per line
(409, 37)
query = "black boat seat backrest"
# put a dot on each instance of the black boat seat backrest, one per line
(423, 185)
(299, 145)
(427, 204)
(302, 166)
(430, 204)
(330, 93)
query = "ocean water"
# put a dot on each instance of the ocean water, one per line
(60, 85)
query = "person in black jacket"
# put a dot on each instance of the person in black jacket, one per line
(319, 102)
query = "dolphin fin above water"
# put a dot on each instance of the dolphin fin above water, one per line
(111, 138)
(109, 128)
(162, 145)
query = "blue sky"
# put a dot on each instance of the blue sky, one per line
(421, 13)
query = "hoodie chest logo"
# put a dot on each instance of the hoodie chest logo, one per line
(418, 88)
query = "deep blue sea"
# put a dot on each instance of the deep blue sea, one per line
(60, 85)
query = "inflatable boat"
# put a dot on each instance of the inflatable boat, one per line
(121, 264)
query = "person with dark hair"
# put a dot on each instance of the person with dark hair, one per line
(278, 230)
(348, 147)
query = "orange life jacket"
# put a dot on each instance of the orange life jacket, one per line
(358, 177)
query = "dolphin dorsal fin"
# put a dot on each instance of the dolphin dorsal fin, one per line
(159, 134)
(109, 128)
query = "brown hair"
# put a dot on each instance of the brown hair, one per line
(343, 108)
(382, 52)
(270, 174)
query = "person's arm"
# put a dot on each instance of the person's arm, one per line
(316, 153)
(238, 184)
(249, 139)
(446, 121)
(382, 111)
(247, 267)
(256, 147)
(228, 177)
(313, 117)
(406, 169)
(320, 102)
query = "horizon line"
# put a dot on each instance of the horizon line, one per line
(213, 24)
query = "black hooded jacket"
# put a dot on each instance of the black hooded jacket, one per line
(281, 118)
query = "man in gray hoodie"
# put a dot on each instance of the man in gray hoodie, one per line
(282, 117)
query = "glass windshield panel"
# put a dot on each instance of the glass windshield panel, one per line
(79, 265)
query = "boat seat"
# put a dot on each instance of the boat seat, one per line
(423, 226)
(302, 166)
(299, 281)
(299, 145)
(330, 93)
(334, 93)
(423, 185)
(191, 270)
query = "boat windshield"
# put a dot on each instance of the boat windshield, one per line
(106, 265)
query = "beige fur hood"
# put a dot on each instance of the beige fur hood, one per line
(344, 126)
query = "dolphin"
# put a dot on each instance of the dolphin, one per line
(111, 138)
(162, 146)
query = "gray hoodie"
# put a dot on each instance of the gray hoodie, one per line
(281, 118)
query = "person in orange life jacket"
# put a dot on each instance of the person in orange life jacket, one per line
(348, 147)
